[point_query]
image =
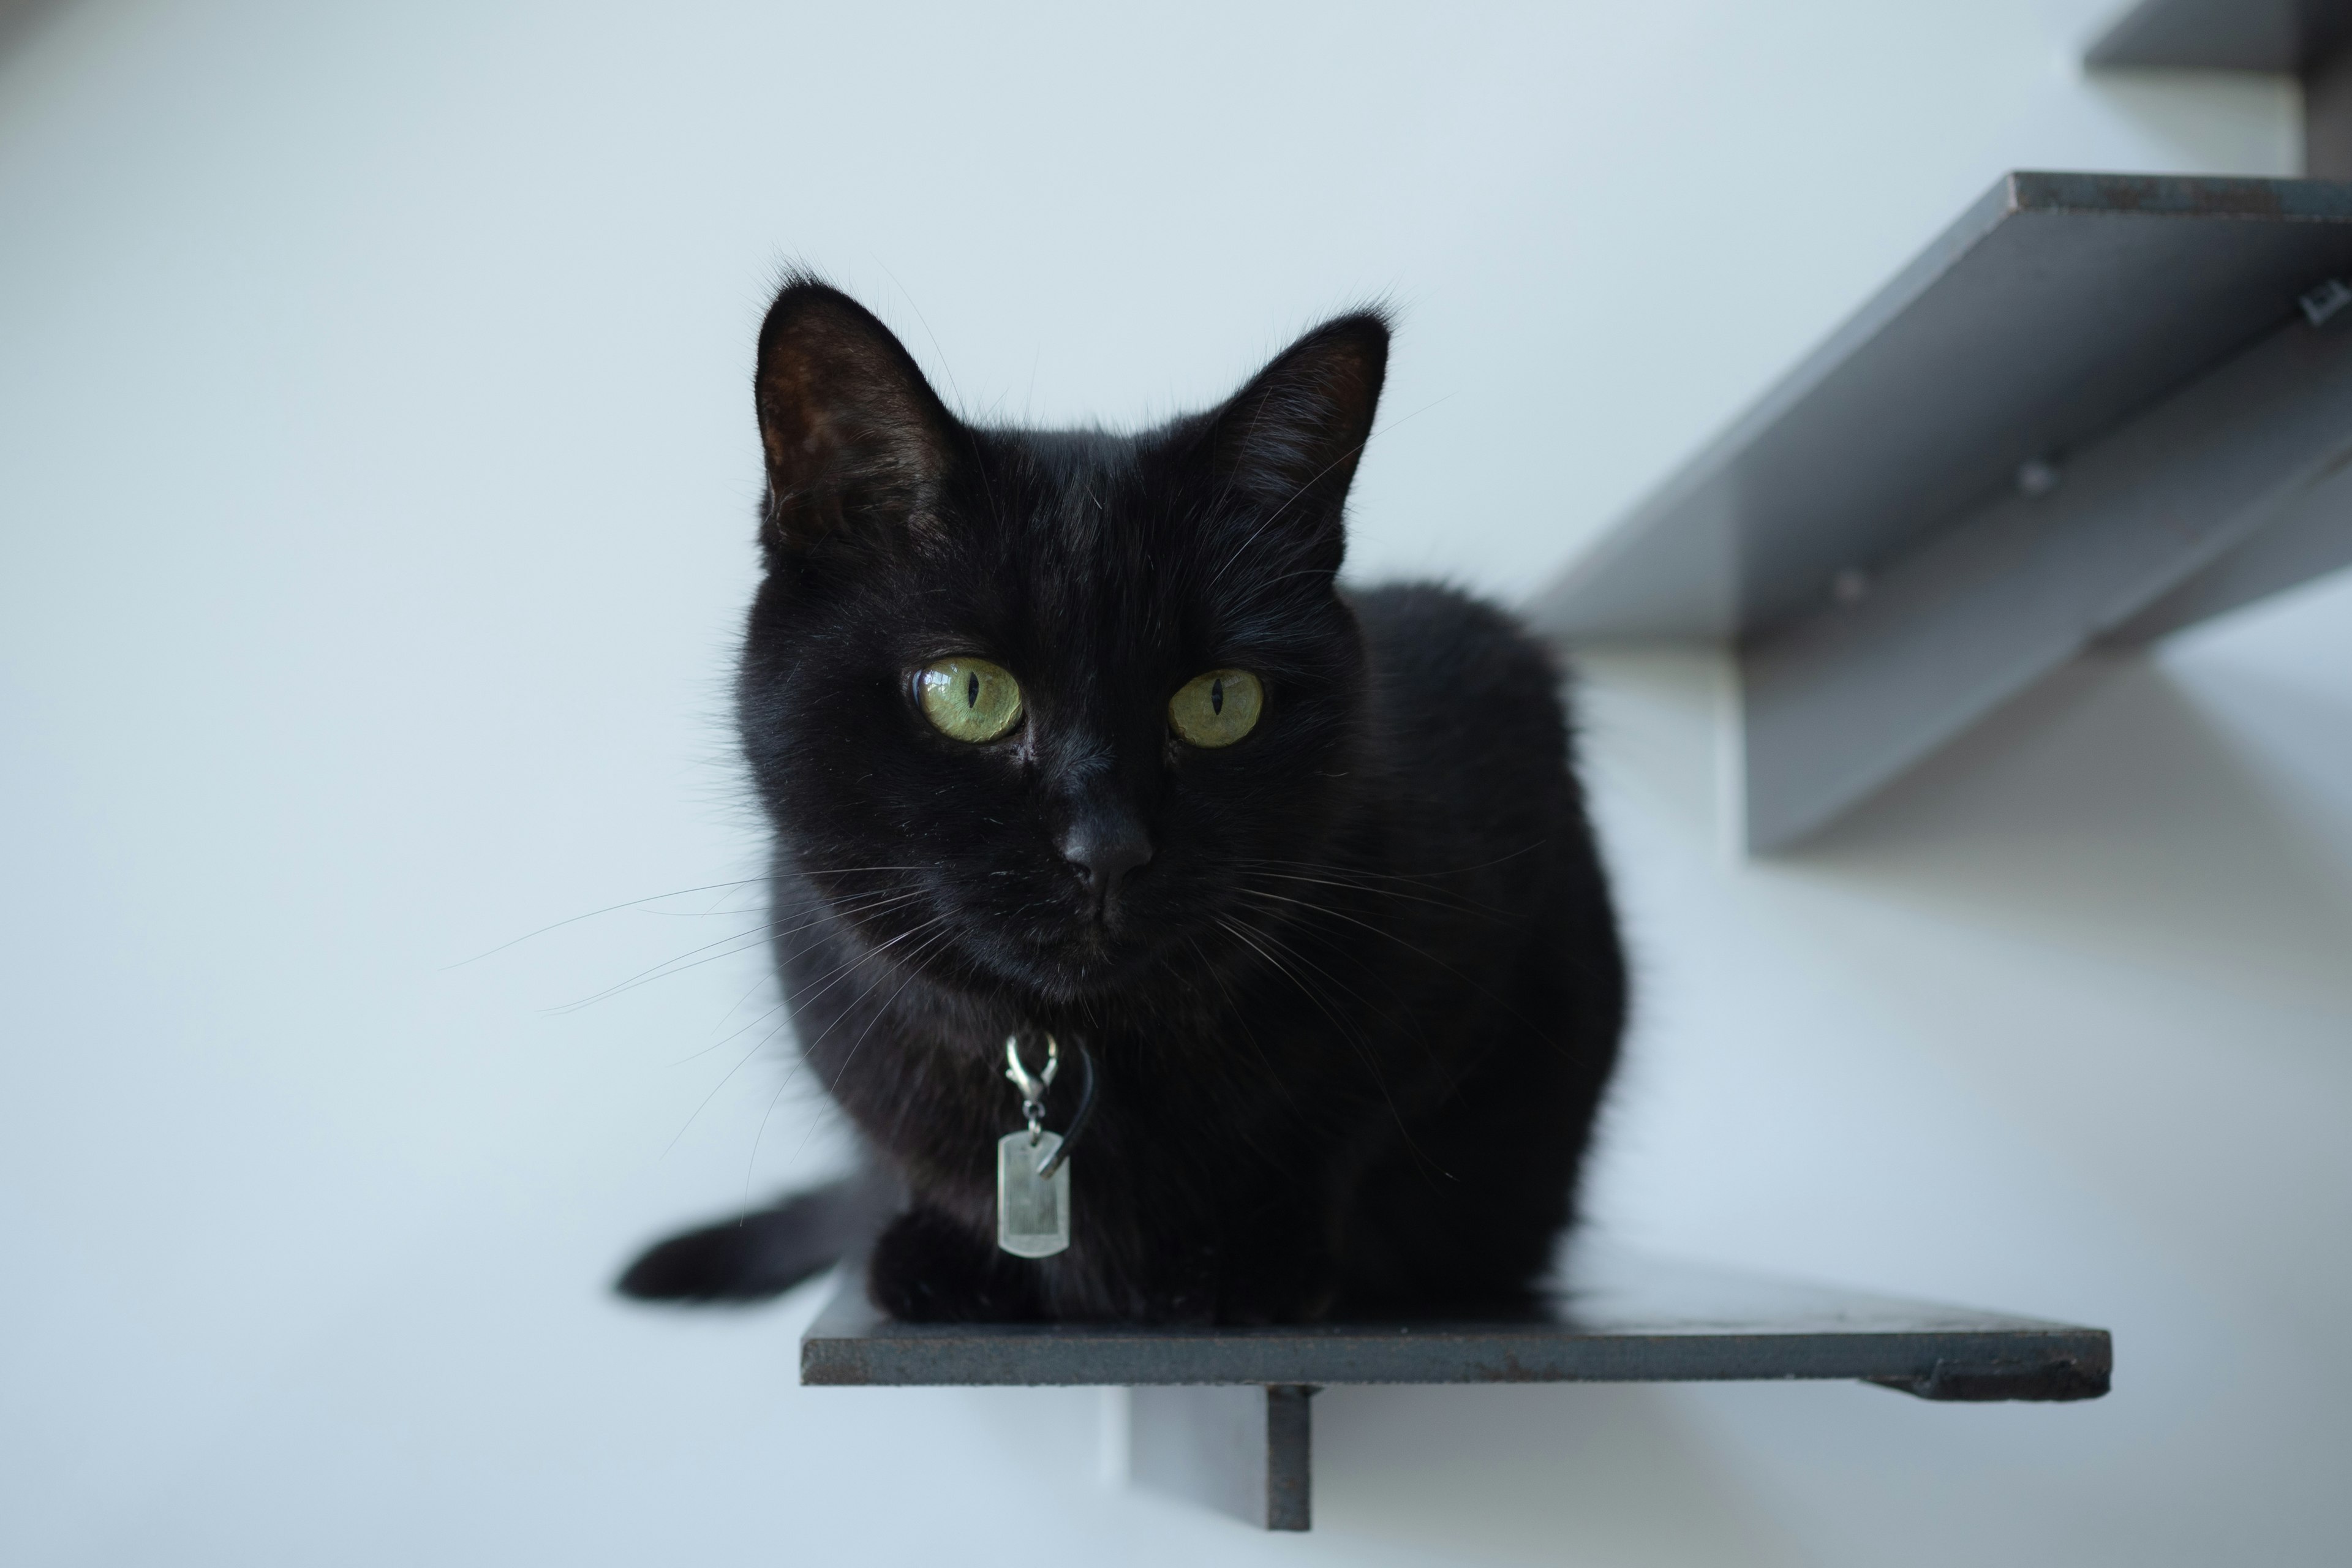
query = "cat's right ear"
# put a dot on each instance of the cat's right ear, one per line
(856, 441)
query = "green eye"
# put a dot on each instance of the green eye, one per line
(968, 699)
(1217, 709)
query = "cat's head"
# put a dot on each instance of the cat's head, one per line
(1024, 705)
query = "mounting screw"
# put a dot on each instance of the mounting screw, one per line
(2036, 478)
(1848, 585)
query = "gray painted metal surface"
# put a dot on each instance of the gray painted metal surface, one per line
(2310, 38)
(1841, 703)
(2053, 309)
(1625, 1318)
(2225, 34)
(2312, 538)
(1243, 1450)
(2094, 408)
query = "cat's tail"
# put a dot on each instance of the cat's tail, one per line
(768, 1251)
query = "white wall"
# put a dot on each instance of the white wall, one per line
(375, 473)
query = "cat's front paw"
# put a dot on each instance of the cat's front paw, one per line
(926, 1269)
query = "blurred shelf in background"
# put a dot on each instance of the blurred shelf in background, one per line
(2306, 39)
(2097, 408)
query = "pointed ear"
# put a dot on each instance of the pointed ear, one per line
(854, 436)
(1288, 442)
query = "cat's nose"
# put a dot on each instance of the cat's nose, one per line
(1103, 847)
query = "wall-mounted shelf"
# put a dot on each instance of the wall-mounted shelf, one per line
(1222, 1416)
(2309, 39)
(2096, 405)
(2284, 36)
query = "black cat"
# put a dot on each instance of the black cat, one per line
(1074, 733)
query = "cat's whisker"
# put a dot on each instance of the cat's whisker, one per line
(762, 1046)
(809, 991)
(759, 986)
(1412, 876)
(1350, 873)
(758, 1046)
(591, 914)
(1343, 951)
(856, 871)
(1239, 1014)
(709, 913)
(1313, 908)
(1372, 1060)
(754, 937)
(735, 1034)
(910, 963)
(748, 940)
(1453, 906)
(1255, 939)
(1353, 1037)
(1428, 884)
(1412, 947)
(1301, 958)
(808, 1050)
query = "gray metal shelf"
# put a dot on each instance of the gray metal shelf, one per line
(2282, 36)
(1222, 1414)
(2309, 39)
(2097, 404)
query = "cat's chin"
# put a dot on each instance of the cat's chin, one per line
(1089, 969)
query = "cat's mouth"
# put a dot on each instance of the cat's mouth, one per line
(1092, 952)
(1039, 936)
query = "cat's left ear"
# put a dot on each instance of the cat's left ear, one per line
(1288, 442)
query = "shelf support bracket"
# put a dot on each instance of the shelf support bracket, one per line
(1243, 1450)
(2217, 490)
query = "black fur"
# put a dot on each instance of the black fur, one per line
(1352, 1016)
(766, 1252)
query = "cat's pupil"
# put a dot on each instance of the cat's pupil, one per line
(972, 690)
(1217, 697)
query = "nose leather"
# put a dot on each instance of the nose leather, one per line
(1102, 846)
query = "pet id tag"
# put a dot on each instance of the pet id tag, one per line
(1033, 1186)
(1033, 1211)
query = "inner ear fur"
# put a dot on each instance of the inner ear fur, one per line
(853, 432)
(1292, 438)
